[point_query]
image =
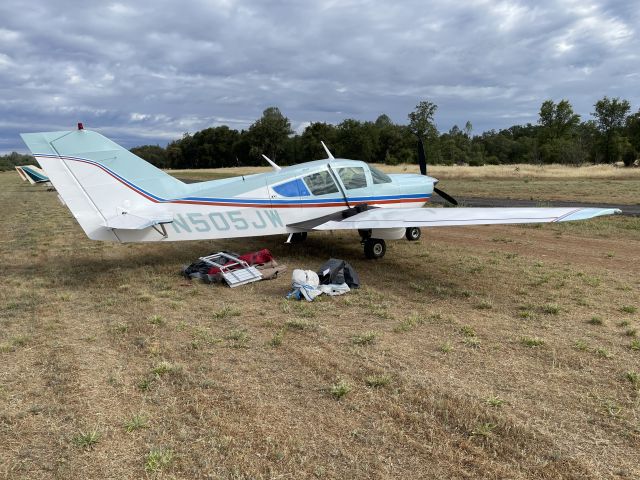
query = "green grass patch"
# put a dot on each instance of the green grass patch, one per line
(157, 320)
(581, 345)
(86, 439)
(377, 381)
(550, 309)
(339, 389)
(157, 459)
(299, 325)
(238, 338)
(634, 378)
(494, 401)
(164, 367)
(595, 321)
(226, 312)
(467, 331)
(277, 338)
(532, 342)
(483, 430)
(603, 352)
(136, 422)
(367, 338)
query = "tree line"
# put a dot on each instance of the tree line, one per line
(8, 162)
(612, 134)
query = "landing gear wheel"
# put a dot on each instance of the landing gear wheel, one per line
(298, 237)
(413, 234)
(374, 248)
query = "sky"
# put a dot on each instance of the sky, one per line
(146, 72)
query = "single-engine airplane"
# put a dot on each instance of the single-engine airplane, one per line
(115, 195)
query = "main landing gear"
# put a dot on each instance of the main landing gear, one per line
(374, 248)
(413, 234)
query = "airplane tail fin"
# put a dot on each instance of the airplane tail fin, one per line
(23, 175)
(33, 174)
(99, 180)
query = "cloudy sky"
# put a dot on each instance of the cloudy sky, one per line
(148, 71)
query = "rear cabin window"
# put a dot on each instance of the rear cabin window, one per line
(378, 176)
(321, 183)
(353, 177)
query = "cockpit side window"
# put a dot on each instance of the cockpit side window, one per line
(321, 183)
(378, 176)
(352, 177)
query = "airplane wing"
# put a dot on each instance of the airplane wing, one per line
(449, 217)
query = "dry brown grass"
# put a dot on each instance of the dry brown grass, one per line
(83, 351)
(516, 171)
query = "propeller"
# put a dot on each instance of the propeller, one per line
(422, 162)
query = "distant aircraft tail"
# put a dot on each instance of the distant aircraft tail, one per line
(100, 181)
(23, 175)
(32, 173)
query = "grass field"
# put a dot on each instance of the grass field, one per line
(479, 352)
(596, 183)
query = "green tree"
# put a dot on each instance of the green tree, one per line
(610, 114)
(632, 130)
(310, 146)
(8, 162)
(422, 125)
(557, 120)
(153, 154)
(269, 134)
(358, 140)
(421, 120)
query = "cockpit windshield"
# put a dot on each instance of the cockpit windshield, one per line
(378, 176)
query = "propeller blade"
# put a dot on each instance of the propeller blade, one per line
(422, 159)
(446, 196)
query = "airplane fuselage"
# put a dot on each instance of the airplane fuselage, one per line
(272, 203)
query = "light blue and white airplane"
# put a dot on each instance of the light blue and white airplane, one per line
(32, 174)
(115, 195)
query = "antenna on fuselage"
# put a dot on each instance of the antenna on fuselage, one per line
(272, 163)
(329, 154)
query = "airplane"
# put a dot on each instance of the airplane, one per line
(33, 174)
(116, 196)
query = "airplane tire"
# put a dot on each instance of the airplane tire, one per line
(413, 234)
(374, 248)
(298, 237)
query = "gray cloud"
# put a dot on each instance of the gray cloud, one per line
(147, 72)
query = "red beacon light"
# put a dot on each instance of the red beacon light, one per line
(80, 126)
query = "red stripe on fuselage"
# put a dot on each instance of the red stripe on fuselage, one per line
(299, 205)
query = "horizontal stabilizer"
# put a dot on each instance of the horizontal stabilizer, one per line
(138, 220)
(446, 217)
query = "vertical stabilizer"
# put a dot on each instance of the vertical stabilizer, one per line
(98, 179)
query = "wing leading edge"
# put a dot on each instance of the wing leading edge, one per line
(449, 217)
